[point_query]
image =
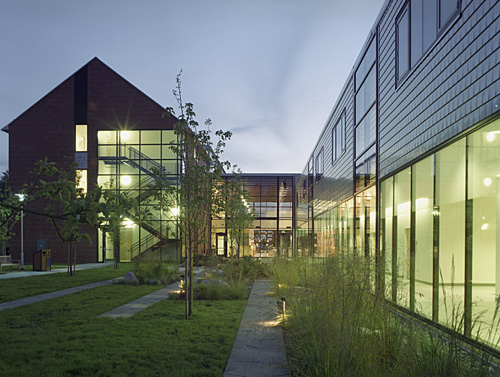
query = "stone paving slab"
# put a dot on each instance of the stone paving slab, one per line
(47, 296)
(259, 349)
(56, 270)
(134, 307)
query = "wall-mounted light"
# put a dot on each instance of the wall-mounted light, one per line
(125, 180)
(124, 135)
(487, 181)
(484, 226)
(128, 223)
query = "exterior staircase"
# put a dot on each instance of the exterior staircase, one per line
(160, 234)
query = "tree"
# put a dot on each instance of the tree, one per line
(68, 207)
(199, 195)
(239, 217)
(8, 214)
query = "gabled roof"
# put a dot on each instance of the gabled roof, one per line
(94, 60)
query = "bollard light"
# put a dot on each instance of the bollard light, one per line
(181, 283)
(283, 302)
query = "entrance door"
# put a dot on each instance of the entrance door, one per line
(107, 246)
(220, 243)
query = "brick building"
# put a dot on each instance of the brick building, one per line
(117, 135)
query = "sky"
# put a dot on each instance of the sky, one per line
(270, 71)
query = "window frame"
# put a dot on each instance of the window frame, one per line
(319, 165)
(339, 124)
(405, 9)
(440, 30)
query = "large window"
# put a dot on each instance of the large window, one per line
(366, 118)
(418, 25)
(366, 97)
(338, 138)
(130, 161)
(423, 207)
(440, 235)
(319, 165)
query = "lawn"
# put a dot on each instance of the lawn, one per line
(64, 337)
(16, 288)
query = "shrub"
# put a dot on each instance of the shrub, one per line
(161, 272)
(205, 260)
(245, 268)
(235, 290)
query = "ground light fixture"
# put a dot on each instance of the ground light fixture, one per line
(283, 303)
(22, 198)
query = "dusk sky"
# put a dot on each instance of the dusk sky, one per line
(270, 71)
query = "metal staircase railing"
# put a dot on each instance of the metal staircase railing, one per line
(159, 230)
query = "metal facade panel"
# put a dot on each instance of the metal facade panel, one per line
(455, 86)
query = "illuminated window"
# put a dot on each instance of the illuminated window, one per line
(81, 179)
(81, 138)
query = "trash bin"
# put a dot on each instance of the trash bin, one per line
(41, 260)
(46, 256)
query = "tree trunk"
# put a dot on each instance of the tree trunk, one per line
(70, 270)
(191, 283)
(186, 279)
(116, 249)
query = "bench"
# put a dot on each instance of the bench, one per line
(6, 260)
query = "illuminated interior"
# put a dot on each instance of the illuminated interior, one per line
(130, 161)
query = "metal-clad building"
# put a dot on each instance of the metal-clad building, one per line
(407, 168)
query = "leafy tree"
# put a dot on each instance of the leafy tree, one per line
(68, 208)
(239, 217)
(199, 195)
(8, 213)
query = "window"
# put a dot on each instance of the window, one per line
(366, 97)
(338, 138)
(81, 138)
(447, 10)
(366, 132)
(417, 27)
(402, 37)
(319, 165)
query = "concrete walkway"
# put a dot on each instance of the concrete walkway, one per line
(134, 307)
(47, 296)
(23, 274)
(259, 350)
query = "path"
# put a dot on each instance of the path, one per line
(134, 307)
(259, 349)
(47, 296)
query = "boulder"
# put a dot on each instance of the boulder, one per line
(130, 278)
(154, 282)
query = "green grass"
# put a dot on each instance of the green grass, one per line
(63, 337)
(16, 288)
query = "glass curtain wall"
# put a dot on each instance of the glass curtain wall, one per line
(386, 239)
(450, 207)
(271, 200)
(483, 203)
(440, 239)
(423, 205)
(130, 162)
(401, 248)
(334, 230)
